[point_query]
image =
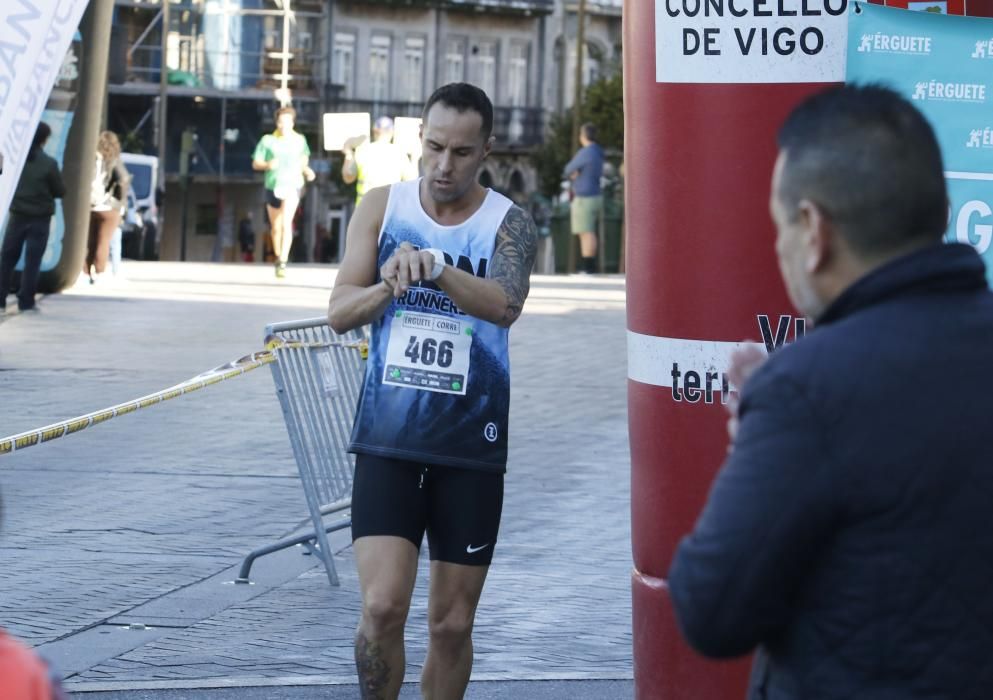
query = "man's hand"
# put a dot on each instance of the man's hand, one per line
(351, 143)
(406, 267)
(308, 173)
(744, 362)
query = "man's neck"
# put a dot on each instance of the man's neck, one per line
(455, 212)
(851, 268)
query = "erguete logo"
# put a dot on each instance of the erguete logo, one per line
(949, 92)
(984, 49)
(980, 138)
(895, 43)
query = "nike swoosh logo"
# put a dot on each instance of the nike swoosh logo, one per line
(472, 550)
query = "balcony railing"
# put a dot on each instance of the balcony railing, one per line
(229, 71)
(524, 7)
(513, 127)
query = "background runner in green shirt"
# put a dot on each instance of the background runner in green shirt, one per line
(283, 156)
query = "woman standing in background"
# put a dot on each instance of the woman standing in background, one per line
(108, 194)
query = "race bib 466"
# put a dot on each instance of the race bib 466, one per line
(428, 352)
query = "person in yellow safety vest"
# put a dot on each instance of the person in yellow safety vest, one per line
(376, 163)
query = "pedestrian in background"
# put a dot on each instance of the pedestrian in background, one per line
(246, 237)
(284, 157)
(849, 535)
(108, 194)
(30, 222)
(377, 163)
(585, 170)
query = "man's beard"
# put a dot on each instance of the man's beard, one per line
(443, 196)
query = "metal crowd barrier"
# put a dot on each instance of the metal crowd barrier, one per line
(318, 379)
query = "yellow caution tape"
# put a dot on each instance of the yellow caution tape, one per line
(214, 376)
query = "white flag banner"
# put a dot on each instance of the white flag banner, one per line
(34, 37)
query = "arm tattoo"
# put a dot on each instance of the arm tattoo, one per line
(513, 259)
(374, 672)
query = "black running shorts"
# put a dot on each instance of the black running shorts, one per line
(458, 508)
(272, 200)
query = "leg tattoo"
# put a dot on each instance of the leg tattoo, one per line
(374, 672)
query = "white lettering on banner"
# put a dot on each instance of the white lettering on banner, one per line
(949, 92)
(984, 49)
(895, 43)
(11, 51)
(969, 226)
(980, 138)
(34, 38)
(750, 41)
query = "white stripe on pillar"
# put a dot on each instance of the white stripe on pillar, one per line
(651, 358)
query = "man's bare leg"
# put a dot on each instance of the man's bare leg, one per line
(587, 244)
(387, 569)
(289, 209)
(455, 591)
(275, 228)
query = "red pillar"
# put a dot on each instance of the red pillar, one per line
(701, 267)
(701, 271)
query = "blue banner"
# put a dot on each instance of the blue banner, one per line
(944, 65)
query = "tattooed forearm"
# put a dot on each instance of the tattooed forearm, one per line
(513, 259)
(374, 672)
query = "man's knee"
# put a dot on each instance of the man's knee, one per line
(384, 615)
(451, 627)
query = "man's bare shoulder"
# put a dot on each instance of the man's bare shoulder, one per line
(371, 211)
(380, 195)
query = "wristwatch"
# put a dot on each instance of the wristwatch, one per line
(439, 263)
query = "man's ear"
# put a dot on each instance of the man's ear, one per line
(818, 236)
(488, 146)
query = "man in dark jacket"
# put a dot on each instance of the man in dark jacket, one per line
(30, 220)
(849, 534)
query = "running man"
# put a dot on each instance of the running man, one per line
(284, 158)
(440, 267)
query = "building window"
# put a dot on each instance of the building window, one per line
(455, 60)
(272, 31)
(379, 68)
(517, 75)
(592, 64)
(413, 69)
(483, 65)
(344, 61)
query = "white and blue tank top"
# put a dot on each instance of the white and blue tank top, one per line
(437, 381)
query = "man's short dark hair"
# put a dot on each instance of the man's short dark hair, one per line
(284, 110)
(463, 97)
(589, 131)
(870, 160)
(41, 135)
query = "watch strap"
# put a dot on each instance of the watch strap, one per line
(439, 262)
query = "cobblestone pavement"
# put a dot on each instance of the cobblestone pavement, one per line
(118, 542)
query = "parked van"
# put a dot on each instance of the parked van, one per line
(141, 227)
